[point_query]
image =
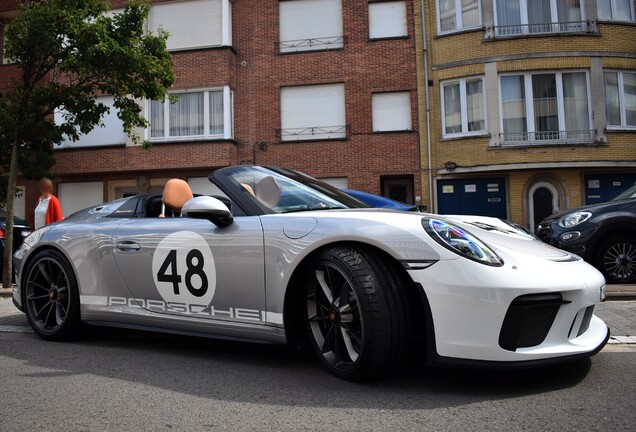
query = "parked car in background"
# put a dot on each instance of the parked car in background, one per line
(603, 234)
(378, 201)
(21, 229)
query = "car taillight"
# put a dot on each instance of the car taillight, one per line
(1, 232)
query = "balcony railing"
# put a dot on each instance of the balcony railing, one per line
(548, 137)
(312, 44)
(313, 133)
(544, 28)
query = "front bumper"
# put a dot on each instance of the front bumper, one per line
(470, 307)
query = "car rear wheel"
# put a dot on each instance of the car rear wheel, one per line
(616, 259)
(356, 315)
(51, 296)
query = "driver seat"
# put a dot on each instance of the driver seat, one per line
(176, 193)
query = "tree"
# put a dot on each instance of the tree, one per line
(68, 52)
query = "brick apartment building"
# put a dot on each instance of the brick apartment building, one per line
(532, 104)
(328, 87)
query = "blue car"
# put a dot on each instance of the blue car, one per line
(378, 201)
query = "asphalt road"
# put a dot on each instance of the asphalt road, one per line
(119, 380)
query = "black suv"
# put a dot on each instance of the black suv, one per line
(603, 234)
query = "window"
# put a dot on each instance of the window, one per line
(391, 111)
(78, 196)
(545, 107)
(387, 20)
(313, 112)
(199, 114)
(193, 23)
(453, 15)
(109, 132)
(464, 107)
(519, 17)
(5, 59)
(616, 10)
(620, 99)
(310, 25)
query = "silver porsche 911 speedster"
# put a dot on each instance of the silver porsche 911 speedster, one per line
(280, 257)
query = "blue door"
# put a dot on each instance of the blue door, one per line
(482, 196)
(603, 187)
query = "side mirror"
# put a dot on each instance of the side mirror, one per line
(205, 207)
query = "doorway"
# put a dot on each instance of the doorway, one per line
(543, 201)
(398, 188)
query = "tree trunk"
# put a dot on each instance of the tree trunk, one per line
(8, 236)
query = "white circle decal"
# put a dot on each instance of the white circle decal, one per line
(183, 269)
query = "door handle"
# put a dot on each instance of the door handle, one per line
(128, 246)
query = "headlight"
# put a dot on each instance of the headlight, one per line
(574, 219)
(461, 242)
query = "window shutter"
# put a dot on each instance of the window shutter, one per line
(111, 132)
(387, 20)
(391, 111)
(313, 112)
(304, 21)
(78, 196)
(191, 24)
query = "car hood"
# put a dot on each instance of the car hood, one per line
(594, 208)
(499, 234)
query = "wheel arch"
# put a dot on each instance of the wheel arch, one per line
(31, 256)
(609, 230)
(292, 319)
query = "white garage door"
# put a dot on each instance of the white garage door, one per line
(78, 196)
(339, 182)
(203, 186)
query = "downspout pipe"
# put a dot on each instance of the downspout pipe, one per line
(428, 112)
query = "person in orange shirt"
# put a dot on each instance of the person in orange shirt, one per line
(48, 209)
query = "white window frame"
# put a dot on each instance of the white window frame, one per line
(119, 137)
(392, 129)
(621, 100)
(464, 107)
(529, 95)
(394, 36)
(313, 132)
(304, 44)
(228, 117)
(458, 19)
(631, 19)
(523, 13)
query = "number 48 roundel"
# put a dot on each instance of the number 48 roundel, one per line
(183, 269)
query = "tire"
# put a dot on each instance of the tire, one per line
(616, 259)
(51, 297)
(356, 315)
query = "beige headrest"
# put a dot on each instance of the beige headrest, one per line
(176, 193)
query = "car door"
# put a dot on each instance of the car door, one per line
(193, 268)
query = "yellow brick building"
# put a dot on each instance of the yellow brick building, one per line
(528, 107)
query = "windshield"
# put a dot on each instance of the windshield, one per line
(628, 194)
(285, 191)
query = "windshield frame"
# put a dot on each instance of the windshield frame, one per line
(225, 179)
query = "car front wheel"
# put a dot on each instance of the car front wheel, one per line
(51, 296)
(356, 315)
(616, 259)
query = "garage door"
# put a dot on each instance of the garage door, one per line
(338, 182)
(603, 187)
(483, 197)
(203, 186)
(78, 196)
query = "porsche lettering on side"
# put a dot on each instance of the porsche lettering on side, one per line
(283, 258)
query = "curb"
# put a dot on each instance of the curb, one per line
(6, 292)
